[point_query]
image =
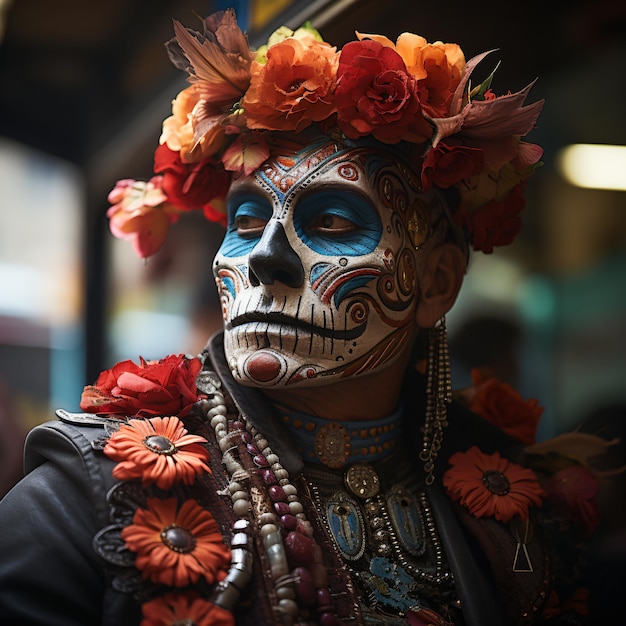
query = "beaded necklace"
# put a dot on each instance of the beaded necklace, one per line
(279, 519)
(336, 444)
(267, 504)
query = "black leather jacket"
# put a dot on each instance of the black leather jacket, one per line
(50, 573)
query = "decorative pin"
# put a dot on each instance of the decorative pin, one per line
(522, 533)
(362, 480)
(332, 445)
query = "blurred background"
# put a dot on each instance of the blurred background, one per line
(84, 87)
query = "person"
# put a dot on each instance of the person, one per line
(311, 466)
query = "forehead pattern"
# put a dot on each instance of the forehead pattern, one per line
(394, 184)
(282, 175)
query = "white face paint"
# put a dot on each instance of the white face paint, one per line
(317, 271)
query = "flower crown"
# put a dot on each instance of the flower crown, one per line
(411, 92)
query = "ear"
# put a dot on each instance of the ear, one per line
(440, 283)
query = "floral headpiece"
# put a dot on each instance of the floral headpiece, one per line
(411, 92)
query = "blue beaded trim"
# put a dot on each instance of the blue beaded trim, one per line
(369, 440)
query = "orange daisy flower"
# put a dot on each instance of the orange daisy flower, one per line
(175, 546)
(157, 450)
(184, 608)
(488, 485)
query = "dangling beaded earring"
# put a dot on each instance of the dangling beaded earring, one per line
(438, 396)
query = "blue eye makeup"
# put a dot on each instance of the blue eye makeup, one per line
(338, 223)
(247, 217)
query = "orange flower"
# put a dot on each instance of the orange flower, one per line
(174, 546)
(294, 87)
(184, 608)
(488, 485)
(157, 450)
(140, 212)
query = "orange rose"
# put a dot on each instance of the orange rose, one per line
(294, 88)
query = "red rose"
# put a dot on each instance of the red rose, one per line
(165, 388)
(376, 94)
(495, 223)
(504, 407)
(574, 489)
(446, 165)
(191, 186)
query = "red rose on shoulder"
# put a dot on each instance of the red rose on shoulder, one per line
(504, 407)
(191, 186)
(166, 387)
(376, 94)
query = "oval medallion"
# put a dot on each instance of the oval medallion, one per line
(406, 516)
(346, 524)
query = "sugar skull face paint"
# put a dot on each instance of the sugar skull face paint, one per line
(317, 271)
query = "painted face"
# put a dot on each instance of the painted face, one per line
(317, 271)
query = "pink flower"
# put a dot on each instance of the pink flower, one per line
(140, 213)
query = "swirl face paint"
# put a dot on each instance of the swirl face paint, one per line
(317, 271)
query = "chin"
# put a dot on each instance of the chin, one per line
(269, 368)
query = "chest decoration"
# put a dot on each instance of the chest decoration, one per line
(388, 538)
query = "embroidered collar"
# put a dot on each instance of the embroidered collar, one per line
(336, 444)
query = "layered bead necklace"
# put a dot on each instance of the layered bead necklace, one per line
(266, 504)
(386, 536)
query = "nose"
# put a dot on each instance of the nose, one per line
(273, 259)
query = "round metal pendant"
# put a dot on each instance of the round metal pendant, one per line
(362, 480)
(332, 445)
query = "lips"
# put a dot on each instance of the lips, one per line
(287, 322)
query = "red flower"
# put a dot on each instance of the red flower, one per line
(174, 546)
(165, 387)
(574, 489)
(504, 407)
(191, 186)
(494, 223)
(376, 94)
(175, 609)
(157, 450)
(446, 165)
(578, 603)
(490, 486)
